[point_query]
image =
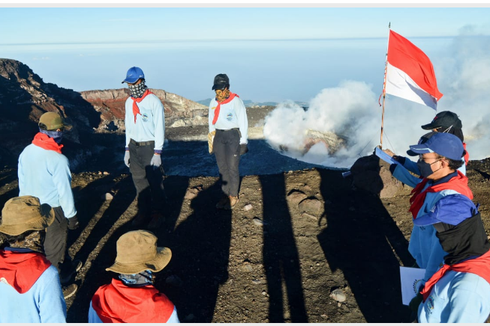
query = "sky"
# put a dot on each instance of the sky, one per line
(330, 56)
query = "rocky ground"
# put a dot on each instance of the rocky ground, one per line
(301, 246)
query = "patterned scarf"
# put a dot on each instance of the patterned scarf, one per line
(140, 279)
(33, 241)
(137, 90)
(222, 94)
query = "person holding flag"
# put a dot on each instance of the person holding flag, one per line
(228, 121)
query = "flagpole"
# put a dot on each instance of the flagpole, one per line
(384, 91)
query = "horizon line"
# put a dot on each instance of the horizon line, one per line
(233, 40)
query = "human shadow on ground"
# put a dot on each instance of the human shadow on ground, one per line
(8, 176)
(280, 254)
(200, 254)
(362, 240)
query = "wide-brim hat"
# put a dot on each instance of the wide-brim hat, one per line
(137, 251)
(25, 213)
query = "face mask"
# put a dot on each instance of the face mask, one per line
(222, 94)
(137, 90)
(56, 135)
(426, 168)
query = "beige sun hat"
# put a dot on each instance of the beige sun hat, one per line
(25, 213)
(137, 251)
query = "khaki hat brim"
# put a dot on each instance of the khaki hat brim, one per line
(33, 225)
(160, 261)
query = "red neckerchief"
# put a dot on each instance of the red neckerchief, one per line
(136, 109)
(22, 269)
(479, 266)
(228, 100)
(458, 183)
(118, 303)
(46, 142)
(466, 154)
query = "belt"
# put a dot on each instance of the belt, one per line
(227, 129)
(142, 143)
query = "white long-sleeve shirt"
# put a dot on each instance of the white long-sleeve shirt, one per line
(231, 115)
(150, 125)
(46, 175)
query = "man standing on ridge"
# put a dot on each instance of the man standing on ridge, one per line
(44, 172)
(145, 133)
(228, 121)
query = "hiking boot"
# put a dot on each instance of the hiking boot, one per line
(156, 220)
(233, 200)
(69, 290)
(222, 202)
(74, 267)
(139, 220)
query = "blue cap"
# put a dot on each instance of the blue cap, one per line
(451, 209)
(134, 73)
(444, 144)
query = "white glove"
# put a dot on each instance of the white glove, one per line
(156, 160)
(126, 158)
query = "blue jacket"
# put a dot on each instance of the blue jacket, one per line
(424, 245)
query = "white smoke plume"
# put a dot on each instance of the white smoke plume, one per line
(351, 111)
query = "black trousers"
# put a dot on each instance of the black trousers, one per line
(56, 238)
(226, 148)
(147, 180)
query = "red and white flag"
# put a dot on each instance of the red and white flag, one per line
(409, 73)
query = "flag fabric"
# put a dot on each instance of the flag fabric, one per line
(409, 73)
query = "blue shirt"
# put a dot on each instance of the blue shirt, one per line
(46, 175)
(457, 297)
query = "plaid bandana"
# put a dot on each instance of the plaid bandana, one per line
(137, 90)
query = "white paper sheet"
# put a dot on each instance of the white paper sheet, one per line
(411, 279)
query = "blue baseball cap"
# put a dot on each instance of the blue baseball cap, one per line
(133, 74)
(444, 144)
(452, 209)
